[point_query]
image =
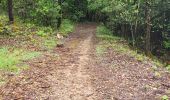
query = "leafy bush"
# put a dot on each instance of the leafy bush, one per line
(105, 34)
(4, 29)
(167, 44)
(41, 33)
(44, 31)
(67, 27)
(41, 12)
(20, 28)
(103, 30)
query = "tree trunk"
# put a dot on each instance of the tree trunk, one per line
(123, 30)
(148, 28)
(10, 11)
(60, 17)
(136, 22)
(132, 33)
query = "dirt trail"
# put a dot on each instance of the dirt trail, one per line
(63, 78)
(73, 81)
(75, 72)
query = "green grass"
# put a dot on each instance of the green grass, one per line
(50, 43)
(67, 27)
(118, 44)
(102, 30)
(11, 57)
(164, 97)
(105, 34)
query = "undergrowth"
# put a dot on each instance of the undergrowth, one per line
(50, 43)
(39, 36)
(11, 58)
(20, 28)
(119, 45)
(67, 27)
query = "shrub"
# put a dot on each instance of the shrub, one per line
(102, 30)
(67, 27)
(105, 34)
(167, 44)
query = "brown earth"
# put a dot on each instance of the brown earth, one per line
(75, 72)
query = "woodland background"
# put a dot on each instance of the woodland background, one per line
(144, 24)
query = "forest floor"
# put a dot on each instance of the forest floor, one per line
(76, 72)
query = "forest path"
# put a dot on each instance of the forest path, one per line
(76, 72)
(60, 74)
(73, 82)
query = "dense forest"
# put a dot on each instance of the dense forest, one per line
(144, 24)
(30, 28)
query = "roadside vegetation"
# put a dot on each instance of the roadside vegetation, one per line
(67, 26)
(108, 40)
(24, 40)
(143, 24)
(11, 58)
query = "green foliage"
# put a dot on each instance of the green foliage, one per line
(105, 34)
(41, 33)
(119, 45)
(42, 12)
(50, 43)
(127, 18)
(67, 27)
(41, 37)
(20, 28)
(167, 44)
(168, 67)
(166, 37)
(4, 29)
(103, 30)
(3, 5)
(165, 97)
(75, 9)
(10, 58)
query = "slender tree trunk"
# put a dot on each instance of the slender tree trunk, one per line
(132, 32)
(10, 11)
(60, 17)
(148, 28)
(123, 30)
(136, 22)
